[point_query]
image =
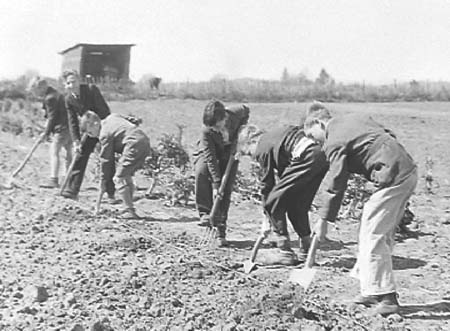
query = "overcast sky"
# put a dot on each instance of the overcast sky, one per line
(354, 40)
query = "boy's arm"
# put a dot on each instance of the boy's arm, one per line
(267, 177)
(73, 121)
(337, 184)
(211, 158)
(51, 107)
(108, 164)
(101, 107)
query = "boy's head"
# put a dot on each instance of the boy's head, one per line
(317, 117)
(214, 114)
(37, 86)
(248, 139)
(71, 81)
(91, 124)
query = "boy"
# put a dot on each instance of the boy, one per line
(79, 99)
(56, 126)
(300, 166)
(357, 144)
(216, 145)
(118, 135)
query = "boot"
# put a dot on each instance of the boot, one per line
(305, 243)
(388, 305)
(221, 235)
(50, 183)
(129, 214)
(367, 300)
(283, 242)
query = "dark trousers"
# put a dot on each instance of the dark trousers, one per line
(203, 190)
(79, 168)
(294, 193)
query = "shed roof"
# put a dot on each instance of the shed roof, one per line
(94, 45)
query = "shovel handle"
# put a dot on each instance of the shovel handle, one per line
(256, 247)
(311, 259)
(30, 153)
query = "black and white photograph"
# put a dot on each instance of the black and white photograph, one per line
(237, 165)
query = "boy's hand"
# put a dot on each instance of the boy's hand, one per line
(321, 229)
(77, 146)
(216, 193)
(42, 137)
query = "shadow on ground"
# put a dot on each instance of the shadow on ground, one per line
(439, 310)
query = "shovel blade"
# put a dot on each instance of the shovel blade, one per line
(303, 277)
(249, 266)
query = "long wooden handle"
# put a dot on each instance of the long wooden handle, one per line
(222, 187)
(256, 247)
(311, 259)
(30, 153)
(99, 200)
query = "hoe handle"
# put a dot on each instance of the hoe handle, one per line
(223, 184)
(30, 153)
(312, 252)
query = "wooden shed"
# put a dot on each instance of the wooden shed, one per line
(101, 61)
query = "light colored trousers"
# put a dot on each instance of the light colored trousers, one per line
(381, 215)
(60, 140)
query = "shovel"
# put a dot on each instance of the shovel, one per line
(250, 264)
(305, 276)
(9, 184)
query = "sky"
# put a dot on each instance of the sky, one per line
(376, 41)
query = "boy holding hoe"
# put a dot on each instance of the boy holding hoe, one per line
(216, 146)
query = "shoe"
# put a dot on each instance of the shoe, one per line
(221, 242)
(279, 257)
(129, 214)
(388, 305)
(50, 183)
(204, 221)
(283, 242)
(69, 195)
(113, 201)
(305, 244)
(366, 300)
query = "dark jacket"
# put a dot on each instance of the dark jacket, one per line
(274, 152)
(358, 144)
(211, 149)
(55, 111)
(90, 98)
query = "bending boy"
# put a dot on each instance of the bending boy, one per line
(300, 166)
(79, 99)
(118, 135)
(56, 126)
(358, 144)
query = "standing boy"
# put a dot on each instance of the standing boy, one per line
(217, 143)
(358, 144)
(56, 126)
(300, 166)
(118, 135)
(79, 99)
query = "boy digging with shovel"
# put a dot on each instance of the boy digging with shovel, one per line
(357, 144)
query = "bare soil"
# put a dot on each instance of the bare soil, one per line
(104, 273)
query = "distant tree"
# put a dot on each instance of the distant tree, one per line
(285, 76)
(324, 78)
